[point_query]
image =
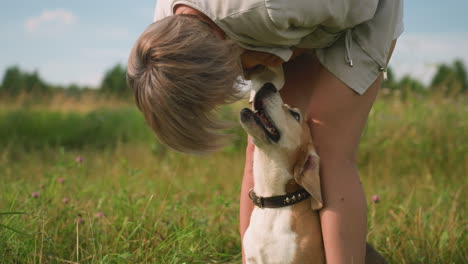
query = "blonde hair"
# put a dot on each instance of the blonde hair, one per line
(180, 72)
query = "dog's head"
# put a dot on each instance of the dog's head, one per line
(282, 133)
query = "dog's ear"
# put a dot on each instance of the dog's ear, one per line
(306, 174)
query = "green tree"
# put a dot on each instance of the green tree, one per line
(115, 82)
(410, 87)
(16, 81)
(408, 83)
(13, 81)
(460, 71)
(34, 84)
(450, 80)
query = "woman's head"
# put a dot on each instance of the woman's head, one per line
(180, 71)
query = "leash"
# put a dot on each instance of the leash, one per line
(280, 200)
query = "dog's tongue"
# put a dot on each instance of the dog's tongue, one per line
(266, 122)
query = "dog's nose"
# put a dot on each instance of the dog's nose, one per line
(245, 114)
(266, 90)
(269, 87)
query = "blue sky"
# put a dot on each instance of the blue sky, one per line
(77, 41)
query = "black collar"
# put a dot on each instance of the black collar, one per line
(279, 201)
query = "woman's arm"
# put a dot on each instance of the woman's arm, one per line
(246, 206)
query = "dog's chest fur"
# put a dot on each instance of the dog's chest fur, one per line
(285, 235)
(269, 238)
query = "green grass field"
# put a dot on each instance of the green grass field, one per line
(128, 199)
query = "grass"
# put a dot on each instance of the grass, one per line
(101, 128)
(135, 202)
(157, 215)
(36, 127)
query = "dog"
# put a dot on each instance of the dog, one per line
(284, 226)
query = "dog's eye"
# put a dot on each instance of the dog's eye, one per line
(296, 115)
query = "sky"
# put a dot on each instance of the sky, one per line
(78, 41)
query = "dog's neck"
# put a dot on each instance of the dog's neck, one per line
(270, 174)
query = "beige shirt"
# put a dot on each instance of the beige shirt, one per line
(277, 26)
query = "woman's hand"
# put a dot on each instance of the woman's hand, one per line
(251, 59)
(255, 61)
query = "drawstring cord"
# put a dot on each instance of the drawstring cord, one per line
(349, 59)
(348, 45)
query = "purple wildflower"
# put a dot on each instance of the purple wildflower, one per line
(65, 200)
(35, 194)
(61, 180)
(99, 214)
(79, 159)
(375, 198)
(80, 220)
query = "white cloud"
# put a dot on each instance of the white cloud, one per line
(57, 16)
(418, 55)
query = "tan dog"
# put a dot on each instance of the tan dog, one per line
(284, 227)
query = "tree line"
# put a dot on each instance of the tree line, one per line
(449, 80)
(16, 81)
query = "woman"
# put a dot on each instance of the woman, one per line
(328, 57)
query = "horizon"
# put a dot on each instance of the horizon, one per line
(68, 43)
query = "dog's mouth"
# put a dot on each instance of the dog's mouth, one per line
(260, 113)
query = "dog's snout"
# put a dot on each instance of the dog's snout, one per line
(269, 87)
(245, 114)
(264, 92)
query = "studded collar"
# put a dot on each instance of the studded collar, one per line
(280, 200)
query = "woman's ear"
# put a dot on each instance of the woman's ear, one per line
(306, 174)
